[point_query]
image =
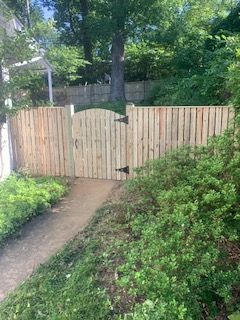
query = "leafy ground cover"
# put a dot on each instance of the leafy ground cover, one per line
(168, 249)
(22, 197)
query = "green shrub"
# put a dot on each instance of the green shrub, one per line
(21, 198)
(185, 229)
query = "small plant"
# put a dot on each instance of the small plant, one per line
(22, 197)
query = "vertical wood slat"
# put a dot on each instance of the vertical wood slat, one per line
(103, 145)
(169, 130)
(218, 123)
(174, 143)
(135, 137)
(193, 126)
(212, 117)
(181, 126)
(129, 112)
(65, 144)
(151, 133)
(60, 143)
(199, 126)
(86, 133)
(33, 135)
(140, 131)
(162, 131)
(108, 145)
(113, 145)
(157, 134)
(145, 135)
(187, 124)
(99, 143)
(205, 126)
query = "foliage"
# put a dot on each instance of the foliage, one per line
(215, 84)
(66, 62)
(178, 91)
(162, 38)
(22, 197)
(146, 62)
(234, 78)
(15, 50)
(185, 234)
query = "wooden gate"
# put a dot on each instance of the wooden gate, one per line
(99, 144)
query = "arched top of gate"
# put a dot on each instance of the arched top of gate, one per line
(98, 111)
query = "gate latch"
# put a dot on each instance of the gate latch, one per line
(124, 120)
(124, 170)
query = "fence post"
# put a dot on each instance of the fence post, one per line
(129, 112)
(69, 112)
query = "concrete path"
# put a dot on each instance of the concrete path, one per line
(46, 234)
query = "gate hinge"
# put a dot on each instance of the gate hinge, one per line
(124, 170)
(124, 120)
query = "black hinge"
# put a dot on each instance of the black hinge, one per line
(124, 120)
(124, 170)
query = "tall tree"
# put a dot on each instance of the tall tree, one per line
(119, 20)
(72, 20)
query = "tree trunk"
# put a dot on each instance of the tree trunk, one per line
(87, 41)
(117, 82)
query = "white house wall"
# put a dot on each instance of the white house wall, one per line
(5, 161)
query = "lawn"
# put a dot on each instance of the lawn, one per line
(22, 197)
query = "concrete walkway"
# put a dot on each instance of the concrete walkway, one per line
(46, 234)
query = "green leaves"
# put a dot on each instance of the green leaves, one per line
(66, 62)
(21, 198)
(182, 233)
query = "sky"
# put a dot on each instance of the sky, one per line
(47, 13)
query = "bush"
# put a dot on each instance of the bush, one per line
(183, 261)
(21, 198)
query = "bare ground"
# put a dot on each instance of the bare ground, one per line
(46, 234)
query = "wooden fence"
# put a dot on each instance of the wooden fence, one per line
(95, 143)
(153, 131)
(40, 141)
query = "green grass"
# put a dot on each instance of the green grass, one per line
(22, 197)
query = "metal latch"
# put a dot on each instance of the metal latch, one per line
(124, 170)
(124, 120)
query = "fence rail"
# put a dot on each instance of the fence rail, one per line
(51, 141)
